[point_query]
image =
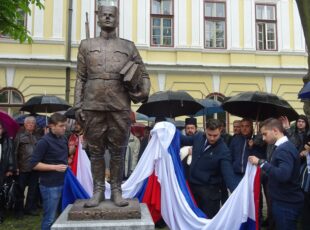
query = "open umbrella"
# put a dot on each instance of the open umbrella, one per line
(259, 106)
(9, 124)
(304, 93)
(45, 104)
(70, 113)
(40, 120)
(170, 104)
(142, 117)
(210, 107)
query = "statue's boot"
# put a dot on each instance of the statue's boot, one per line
(98, 172)
(116, 197)
(116, 169)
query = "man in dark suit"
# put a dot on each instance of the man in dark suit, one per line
(283, 172)
(211, 163)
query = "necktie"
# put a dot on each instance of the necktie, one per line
(273, 148)
(206, 146)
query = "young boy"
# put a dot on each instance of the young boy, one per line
(50, 158)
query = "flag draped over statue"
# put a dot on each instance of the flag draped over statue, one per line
(158, 180)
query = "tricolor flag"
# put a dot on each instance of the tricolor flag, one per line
(81, 168)
(158, 180)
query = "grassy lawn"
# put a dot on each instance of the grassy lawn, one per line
(27, 223)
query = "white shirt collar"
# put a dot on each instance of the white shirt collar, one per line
(281, 140)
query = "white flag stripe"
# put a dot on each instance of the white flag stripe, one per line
(174, 207)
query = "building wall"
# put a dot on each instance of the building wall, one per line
(40, 67)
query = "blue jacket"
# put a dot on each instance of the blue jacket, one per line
(283, 175)
(240, 151)
(211, 166)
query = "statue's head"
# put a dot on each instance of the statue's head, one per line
(108, 17)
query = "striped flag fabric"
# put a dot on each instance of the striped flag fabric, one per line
(158, 180)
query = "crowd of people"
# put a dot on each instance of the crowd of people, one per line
(219, 161)
(214, 163)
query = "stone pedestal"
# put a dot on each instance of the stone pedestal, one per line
(145, 222)
(105, 211)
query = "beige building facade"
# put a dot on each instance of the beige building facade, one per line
(214, 48)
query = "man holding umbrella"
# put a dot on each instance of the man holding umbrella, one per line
(242, 146)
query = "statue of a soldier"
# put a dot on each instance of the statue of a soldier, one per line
(110, 74)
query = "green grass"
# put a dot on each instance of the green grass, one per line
(27, 223)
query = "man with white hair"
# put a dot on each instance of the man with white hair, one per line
(25, 142)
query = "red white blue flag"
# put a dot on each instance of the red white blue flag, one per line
(158, 180)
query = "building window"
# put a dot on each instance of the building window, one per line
(11, 100)
(215, 24)
(266, 27)
(162, 23)
(103, 3)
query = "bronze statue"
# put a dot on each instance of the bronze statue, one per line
(110, 74)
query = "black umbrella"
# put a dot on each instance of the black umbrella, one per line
(170, 104)
(210, 107)
(45, 104)
(259, 106)
(70, 113)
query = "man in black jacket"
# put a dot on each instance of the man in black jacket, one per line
(283, 172)
(211, 163)
(24, 144)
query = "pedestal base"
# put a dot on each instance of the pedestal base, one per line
(146, 222)
(106, 210)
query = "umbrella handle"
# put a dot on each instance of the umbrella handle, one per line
(256, 121)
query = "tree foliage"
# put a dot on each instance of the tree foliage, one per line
(304, 12)
(12, 12)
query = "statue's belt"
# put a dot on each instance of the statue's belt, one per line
(105, 76)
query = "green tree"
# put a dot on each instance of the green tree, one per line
(304, 12)
(11, 14)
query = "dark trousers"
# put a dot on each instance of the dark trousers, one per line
(285, 217)
(305, 216)
(2, 204)
(264, 183)
(29, 179)
(224, 193)
(207, 198)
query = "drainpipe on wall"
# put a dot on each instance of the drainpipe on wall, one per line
(68, 55)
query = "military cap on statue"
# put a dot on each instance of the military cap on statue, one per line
(191, 121)
(102, 7)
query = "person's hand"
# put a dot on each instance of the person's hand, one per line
(9, 173)
(251, 143)
(190, 151)
(253, 160)
(285, 122)
(307, 146)
(60, 168)
(303, 153)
